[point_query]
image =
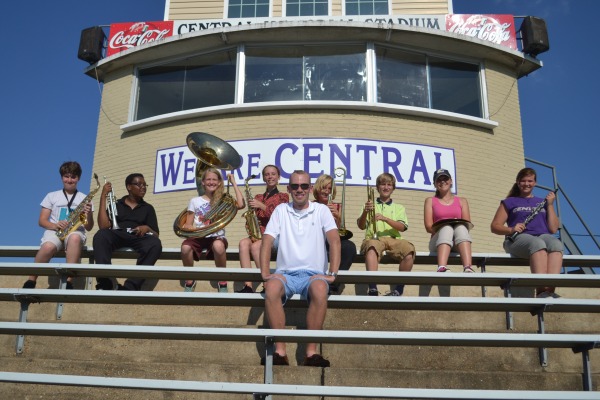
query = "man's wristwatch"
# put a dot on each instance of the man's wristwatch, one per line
(334, 274)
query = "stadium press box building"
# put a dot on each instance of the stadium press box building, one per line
(403, 87)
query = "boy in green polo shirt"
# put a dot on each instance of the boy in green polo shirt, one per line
(390, 220)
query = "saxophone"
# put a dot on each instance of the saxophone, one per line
(77, 217)
(252, 224)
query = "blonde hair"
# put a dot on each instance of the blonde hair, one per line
(385, 178)
(320, 184)
(218, 194)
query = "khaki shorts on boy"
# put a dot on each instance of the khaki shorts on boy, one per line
(396, 248)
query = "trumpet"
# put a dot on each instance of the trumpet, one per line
(344, 233)
(371, 215)
(252, 224)
(111, 208)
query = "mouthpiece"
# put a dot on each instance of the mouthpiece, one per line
(252, 176)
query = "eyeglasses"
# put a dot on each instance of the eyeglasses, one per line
(303, 186)
(140, 185)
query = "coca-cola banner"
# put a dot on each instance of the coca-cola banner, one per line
(499, 29)
(126, 35)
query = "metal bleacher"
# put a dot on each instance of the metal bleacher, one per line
(579, 343)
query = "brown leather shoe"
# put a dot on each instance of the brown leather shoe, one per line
(277, 360)
(316, 360)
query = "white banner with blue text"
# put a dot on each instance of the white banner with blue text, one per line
(412, 164)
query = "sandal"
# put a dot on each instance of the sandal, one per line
(468, 269)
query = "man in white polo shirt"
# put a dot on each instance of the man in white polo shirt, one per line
(302, 227)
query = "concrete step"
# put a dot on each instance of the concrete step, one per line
(366, 376)
(336, 319)
(185, 370)
(428, 358)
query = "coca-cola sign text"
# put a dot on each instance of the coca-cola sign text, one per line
(495, 28)
(126, 35)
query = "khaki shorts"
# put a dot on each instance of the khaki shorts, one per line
(50, 236)
(450, 235)
(396, 248)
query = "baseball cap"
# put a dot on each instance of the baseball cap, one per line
(441, 172)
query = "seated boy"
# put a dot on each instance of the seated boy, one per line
(54, 217)
(390, 220)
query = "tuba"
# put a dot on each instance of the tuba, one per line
(344, 233)
(252, 224)
(216, 153)
(371, 216)
(77, 217)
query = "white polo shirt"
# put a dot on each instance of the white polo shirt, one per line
(301, 236)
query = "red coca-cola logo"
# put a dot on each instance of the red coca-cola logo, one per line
(499, 29)
(124, 36)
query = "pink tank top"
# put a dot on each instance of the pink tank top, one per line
(442, 211)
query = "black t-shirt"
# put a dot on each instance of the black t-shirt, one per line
(142, 214)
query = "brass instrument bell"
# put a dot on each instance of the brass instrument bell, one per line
(211, 151)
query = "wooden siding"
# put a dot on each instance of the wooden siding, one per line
(214, 9)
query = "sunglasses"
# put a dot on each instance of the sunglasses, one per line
(303, 186)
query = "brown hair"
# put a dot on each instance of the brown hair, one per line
(514, 190)
(70, 167)
(300, 172)
(272, 166)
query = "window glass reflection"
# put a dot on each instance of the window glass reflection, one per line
(401, 78)
(334, 72)
(455, 87)
(305, 73)
(202, 81)
(159, 91)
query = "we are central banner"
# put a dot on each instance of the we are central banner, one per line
(412, 164)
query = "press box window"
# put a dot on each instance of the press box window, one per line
(455, 87)
(305, 73)
(198, 82)
(401, 77)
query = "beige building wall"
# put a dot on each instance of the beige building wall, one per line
(486, 160)
(211, 9)
(400, 7)
(194, 9)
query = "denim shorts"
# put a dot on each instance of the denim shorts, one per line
(298, 282)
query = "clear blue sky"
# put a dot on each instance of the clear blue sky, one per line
(50, 108)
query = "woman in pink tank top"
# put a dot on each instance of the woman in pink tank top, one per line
(447, 218)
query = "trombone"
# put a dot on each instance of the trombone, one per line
(340, 172)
